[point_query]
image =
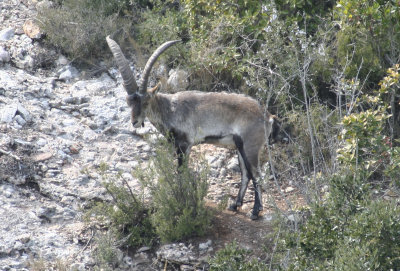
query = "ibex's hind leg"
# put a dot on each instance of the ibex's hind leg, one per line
(257, 200)
(243, 185)
(248, 161)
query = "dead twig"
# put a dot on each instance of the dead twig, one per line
(87, 244)
(9, 153)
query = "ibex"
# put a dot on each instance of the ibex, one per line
(194, 117)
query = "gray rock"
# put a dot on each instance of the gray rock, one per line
(68, 73)
(8, 113)
(233, 164)
(206, 245)
(289, 189)
(23, 112)
(8, 81)
(41, 142)
(20, 120)
(4, 55)
(178, 80)
(176, 253)
(7, 34)
(68, 122)
(62, 61)
(43, 5)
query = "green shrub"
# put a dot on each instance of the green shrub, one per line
(349, 228)
(177, 195)
(348, 231)
(372, 238)
(368, 38)
(127, 214)
(106, 253)
(235, 258)
(324, 229)
(308, 14)
(366, 141)
(156, 28)
(366, 239)
(79, 27)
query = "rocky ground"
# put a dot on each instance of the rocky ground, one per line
(55, 130)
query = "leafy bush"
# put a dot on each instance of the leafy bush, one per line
(368, 38)
(176, 210)
(234, 258)
(366, 142)
(308, 14)
(127, 214)
(106, 253)
(79, 27)
(366, 236)
(177, 195)
(349, 227)
(376, 231)
(319, 236)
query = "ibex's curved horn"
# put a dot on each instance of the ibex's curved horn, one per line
(146, 71)
(127, 75)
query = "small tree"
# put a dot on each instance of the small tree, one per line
(177, 195)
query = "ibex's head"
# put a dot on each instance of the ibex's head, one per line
(138, 95)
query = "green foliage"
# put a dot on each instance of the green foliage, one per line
(369, 36)
(234, 258)
(307, 13)
(176, 210)
(364, 239)
(324, 127)
(357, 55)
(366, 146)
(225, 34)
(349, 229)
(177, 195)
(106, 253)
(79, 27)
(377, 230)
(156, 28)
(320, 235)
(221, 35)
(128, 216)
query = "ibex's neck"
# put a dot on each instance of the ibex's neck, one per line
(158, 110)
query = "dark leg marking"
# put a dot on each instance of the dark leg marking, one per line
(245, 179)
(243, 185)
(239, 144)
(212, 139)
(180, 141)
(246, 172)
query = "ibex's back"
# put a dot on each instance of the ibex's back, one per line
(193, 117)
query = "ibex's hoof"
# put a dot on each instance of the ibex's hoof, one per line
(256, 214)
(254, 217)
(233, 207)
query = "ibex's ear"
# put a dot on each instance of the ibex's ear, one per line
(154, 90)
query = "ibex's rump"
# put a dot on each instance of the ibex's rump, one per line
(193, 117)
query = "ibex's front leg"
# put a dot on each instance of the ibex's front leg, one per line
(182, 146)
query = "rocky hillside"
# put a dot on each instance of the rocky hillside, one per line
(55, 130)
